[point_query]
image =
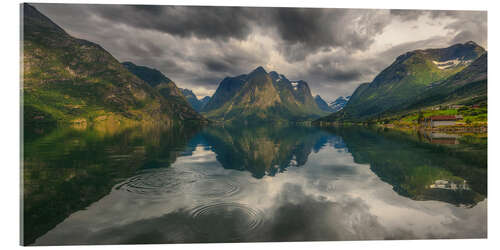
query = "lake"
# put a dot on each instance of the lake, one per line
(250, 184)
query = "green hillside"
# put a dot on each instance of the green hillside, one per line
(467, 87)
(417, 79)
(166, 87)
(70, 80)
(464, 93)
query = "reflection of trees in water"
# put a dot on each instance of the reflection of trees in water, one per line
(67, 169)
(264, 150)
(411, 164)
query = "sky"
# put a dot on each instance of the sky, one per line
(334, 50)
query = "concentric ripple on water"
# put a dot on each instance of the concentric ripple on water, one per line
(215, 188)
(159, 182)
(226, 221)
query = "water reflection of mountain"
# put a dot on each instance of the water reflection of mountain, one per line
(263, 150)
(412, 165)
(65, 170)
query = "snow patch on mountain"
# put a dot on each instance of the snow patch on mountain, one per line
(450, 63)
(339, 103)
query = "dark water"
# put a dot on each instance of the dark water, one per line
(264, 183)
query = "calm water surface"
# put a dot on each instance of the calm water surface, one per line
(263, 183)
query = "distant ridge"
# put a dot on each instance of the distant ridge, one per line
(322, 104)
(198, 105)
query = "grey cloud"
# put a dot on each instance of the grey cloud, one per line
(296, 216)
(230, 60)
(468, 25)
(314, 215)
(199, 46)
(306, 31)
(407, 15)
(216, 65)
(334, 70)
(313, 28)
(202, 22)
(412, 14)
(392, 53)
(210, 81)
(339, 73)
(146, 49)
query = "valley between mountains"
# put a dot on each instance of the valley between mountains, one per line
(67, 80)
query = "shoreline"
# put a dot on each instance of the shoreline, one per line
(455, 129)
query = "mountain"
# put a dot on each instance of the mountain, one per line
(261, 96)
(151, 76)
(204, 100)
(322, 104)
(193, 100)
(468, 86)
(167, 88)
(226, 90)
(339, 103)
(409, 76)
(71, 80)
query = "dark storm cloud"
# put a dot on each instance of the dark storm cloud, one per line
(312, 29)
(144, 49)
(307, 30)
(197, 47)
(333, 70)
(216, 65)
(230, 61)
(202, 22)
(340, 73)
